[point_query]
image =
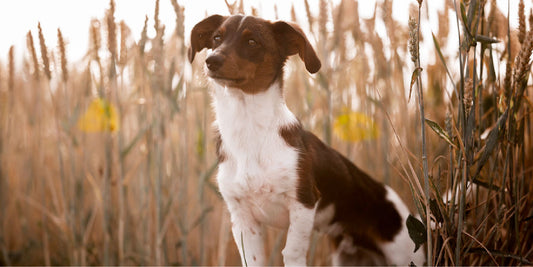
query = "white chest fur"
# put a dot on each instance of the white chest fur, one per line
(260, 170)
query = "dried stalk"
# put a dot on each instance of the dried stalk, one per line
(424, 148)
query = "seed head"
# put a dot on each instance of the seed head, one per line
(35, 61)
(521, 22)
(413, 39)
(44, 53)
(63, 54)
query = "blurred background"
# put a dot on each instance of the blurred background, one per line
(106, 140)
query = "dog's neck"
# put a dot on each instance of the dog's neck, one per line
(265, 111)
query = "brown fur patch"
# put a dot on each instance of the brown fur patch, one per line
(361, 207)
(250, 66)
(201, 34)
(307, 192)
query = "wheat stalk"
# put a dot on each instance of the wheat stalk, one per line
(156, 16)
(63, 54)
(413, 39)
(522, 61)
(11, 70)
(11, 74)
(521, 22)
(124, 33)
(293, 14)
(444, 27)
(180, 18)
(357, 35)
(322, 21)
(414, 33)
(390, 25)
(95, 40)
(31, 48)
(159, 57)
(111, 30)
(339, 40)
(309, 16)
(123, 57)
(44, 53)
(322, 42)
(70, 213)
(231, 7)
(59, 201)
(144, 36)
(158, 87)
(112, 41)
(95, 52)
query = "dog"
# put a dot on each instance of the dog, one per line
(271, 171)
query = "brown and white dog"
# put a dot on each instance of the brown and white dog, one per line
(274, 172)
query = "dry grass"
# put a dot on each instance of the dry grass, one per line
(140, 188)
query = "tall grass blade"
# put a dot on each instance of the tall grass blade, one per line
(492, 141)
(414, 78)
(443, 61)
(440, 132)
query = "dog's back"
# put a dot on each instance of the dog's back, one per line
(364, 219)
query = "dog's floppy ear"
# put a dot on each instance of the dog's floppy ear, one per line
(201, 34)
(291, 37)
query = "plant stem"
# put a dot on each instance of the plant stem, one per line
(424, 150)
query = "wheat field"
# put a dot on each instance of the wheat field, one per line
(113, 163)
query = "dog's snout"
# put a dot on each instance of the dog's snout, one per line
(214, 62)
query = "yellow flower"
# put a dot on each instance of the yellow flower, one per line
(101, 116)
(355, 127)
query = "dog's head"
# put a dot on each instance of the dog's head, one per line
(249, 52)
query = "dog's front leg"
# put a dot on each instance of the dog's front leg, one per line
(248, 235)
(298, 236)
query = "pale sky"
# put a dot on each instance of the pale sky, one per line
(17, 17)
(74, 16)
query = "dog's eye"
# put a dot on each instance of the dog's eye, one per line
(217, 38)
(252, 42)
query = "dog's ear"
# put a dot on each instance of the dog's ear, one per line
(201, 34)
(293, 40)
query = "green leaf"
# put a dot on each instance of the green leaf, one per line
(486, 40)
(463, 13)
(440, 132)
(414, 78)
(417, 231)
(465, 20)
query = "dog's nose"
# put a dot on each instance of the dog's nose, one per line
(214, 62)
